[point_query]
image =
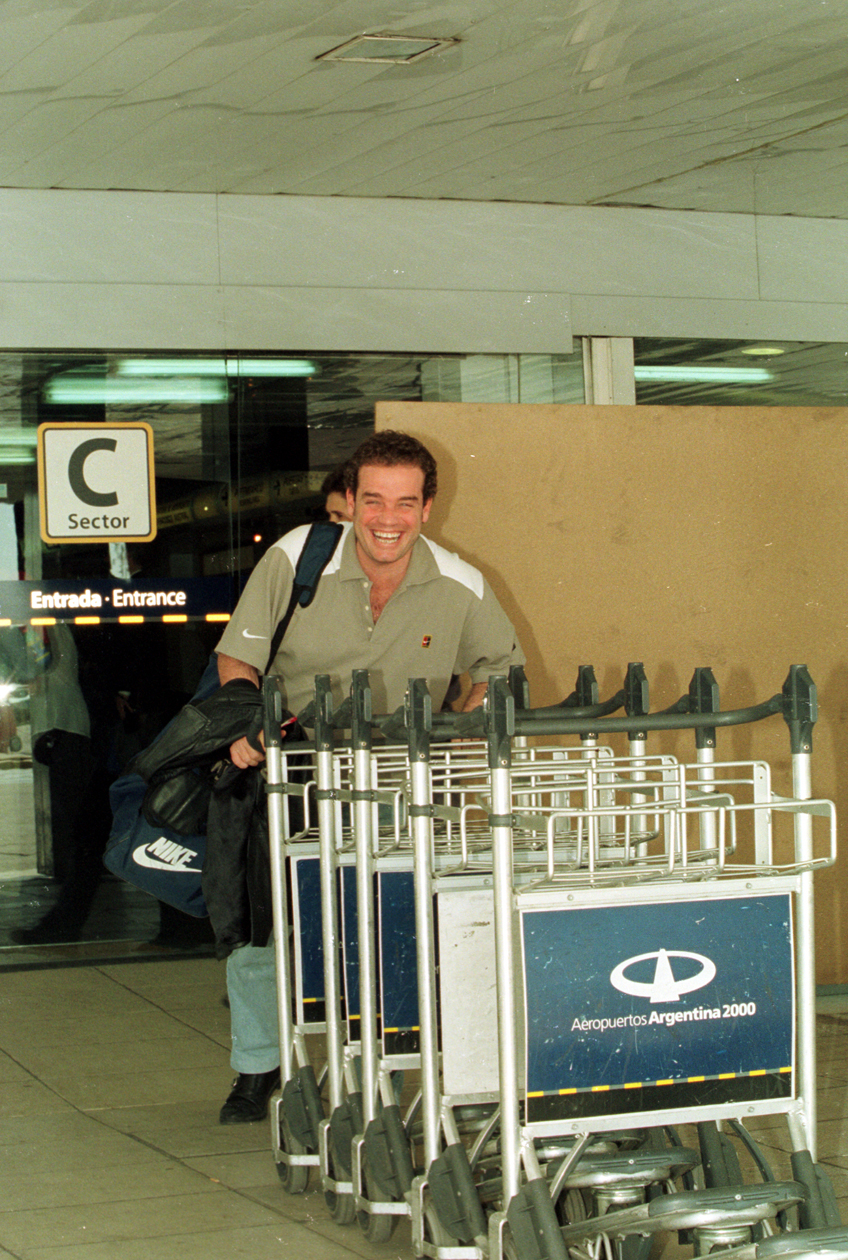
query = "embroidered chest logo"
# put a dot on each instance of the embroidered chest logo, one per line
(427, 640)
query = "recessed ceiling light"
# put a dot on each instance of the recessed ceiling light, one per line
(764, 352)
(388, 49)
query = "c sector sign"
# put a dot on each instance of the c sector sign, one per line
(96, 482)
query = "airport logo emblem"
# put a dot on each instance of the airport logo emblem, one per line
(665, 986)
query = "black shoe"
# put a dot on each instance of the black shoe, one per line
(248, 1100)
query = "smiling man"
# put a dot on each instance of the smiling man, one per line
(389, 601)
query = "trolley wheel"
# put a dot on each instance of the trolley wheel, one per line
(510, 1249)
(377, 1228)
(435, 1230)
(571, 1207)
(340, 1206)
(294, 1178)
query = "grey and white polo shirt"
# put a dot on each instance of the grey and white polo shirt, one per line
(443, 619)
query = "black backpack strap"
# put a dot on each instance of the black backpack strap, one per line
(321, 542)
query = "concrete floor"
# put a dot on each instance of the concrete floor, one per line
(111, 1078)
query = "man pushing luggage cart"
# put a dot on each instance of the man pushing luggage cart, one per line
(390, 601)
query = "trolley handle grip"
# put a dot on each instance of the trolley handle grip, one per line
(268, 718)
(575, 712)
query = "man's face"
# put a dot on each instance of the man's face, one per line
(388, 511)
(336, 507)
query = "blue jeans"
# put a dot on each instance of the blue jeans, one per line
(252, 989)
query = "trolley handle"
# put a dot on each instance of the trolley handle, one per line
(270, 716)
(551, 721)
(636, 690)
(668, 721)
(574, 711)
(271, 719)
(696, 711)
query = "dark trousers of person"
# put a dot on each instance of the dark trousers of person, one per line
(80, 822)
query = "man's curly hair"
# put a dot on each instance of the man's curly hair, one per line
(389, 449)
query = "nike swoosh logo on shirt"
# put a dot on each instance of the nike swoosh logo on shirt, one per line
(248, 635)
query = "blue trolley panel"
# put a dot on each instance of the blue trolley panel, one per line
(310, 976)
(398, 962)
(652, 1006)
(350, 950)
(397, 996)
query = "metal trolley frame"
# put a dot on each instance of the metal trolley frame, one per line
(577, 852)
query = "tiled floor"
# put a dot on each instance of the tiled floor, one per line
(111, 1077)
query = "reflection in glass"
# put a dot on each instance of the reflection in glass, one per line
(697, 372)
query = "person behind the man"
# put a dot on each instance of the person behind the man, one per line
(334, 490)
(390, 601)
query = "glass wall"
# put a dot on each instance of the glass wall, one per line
(241, 445)
(761, 373)
(102, 643)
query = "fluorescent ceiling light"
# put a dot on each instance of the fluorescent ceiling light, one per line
(271, 367)
(171, 367)
(16, 455)
(703, 373)
(17, 446)
(216, 367)
(388, 48)
(117, 391)
(18, 437)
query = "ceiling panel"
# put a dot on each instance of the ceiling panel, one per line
(668, 103)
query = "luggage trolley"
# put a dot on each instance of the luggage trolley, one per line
(383, 959)
(460, 1117)
(290, 774)
(536, 835)
(320, 889)
(375, 994)
(319, 873)
(368, 960)
(321, 882)
(674, 986)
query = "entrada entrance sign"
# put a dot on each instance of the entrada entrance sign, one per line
(96, 482)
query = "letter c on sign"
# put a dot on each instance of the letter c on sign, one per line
(76, 472)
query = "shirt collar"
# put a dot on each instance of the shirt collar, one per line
(422, 564)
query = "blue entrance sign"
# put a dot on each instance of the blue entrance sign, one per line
(105, 599)
(660, 1004)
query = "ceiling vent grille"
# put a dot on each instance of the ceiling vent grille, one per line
(388, 49)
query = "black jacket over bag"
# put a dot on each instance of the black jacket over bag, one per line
(236, 876)
(236, 871)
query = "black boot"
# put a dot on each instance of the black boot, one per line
(248, 1100)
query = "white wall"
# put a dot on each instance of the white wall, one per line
(197, 271)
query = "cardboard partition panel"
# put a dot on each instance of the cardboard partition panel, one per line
(680, 537)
